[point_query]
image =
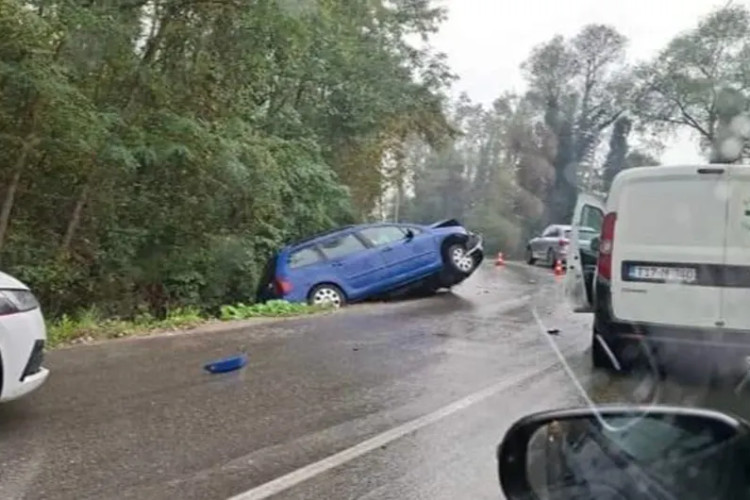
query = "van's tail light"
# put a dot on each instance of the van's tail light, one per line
(282, 286)
(562, 243)
(606, 244)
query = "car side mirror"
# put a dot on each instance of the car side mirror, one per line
(594, 244)
(625, 453)
(409, 234)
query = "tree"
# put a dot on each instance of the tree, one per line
(158, 151)
(618, 151)
(475, 179)
(531, 149)
(700, 80)
(640, 159)
(620, 156)
(579, 87)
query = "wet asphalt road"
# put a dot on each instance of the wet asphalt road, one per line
(404, 400)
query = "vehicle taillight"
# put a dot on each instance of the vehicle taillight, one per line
(562, 243)
(606, 245)
(283, 287)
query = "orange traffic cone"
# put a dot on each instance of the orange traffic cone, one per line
(499, 261)
(559, 268)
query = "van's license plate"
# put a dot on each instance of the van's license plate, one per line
(668, 274)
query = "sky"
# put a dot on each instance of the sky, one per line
(487, 40)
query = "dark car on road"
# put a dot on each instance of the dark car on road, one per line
(359, 262)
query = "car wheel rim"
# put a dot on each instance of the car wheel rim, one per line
(327, 296)
(463, 261)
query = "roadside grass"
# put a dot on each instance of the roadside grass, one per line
(90, 325)
(272, 308)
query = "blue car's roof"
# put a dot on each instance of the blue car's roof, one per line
(319, 236)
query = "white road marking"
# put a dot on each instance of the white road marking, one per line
(309, 471)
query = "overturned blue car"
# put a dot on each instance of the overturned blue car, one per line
(355, 263)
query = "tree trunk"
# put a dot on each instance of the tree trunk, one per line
(397, 205)
(10, 195)
(75, 219)
(149, 54)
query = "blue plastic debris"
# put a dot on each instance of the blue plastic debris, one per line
(227, 364)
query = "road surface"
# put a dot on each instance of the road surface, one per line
(404, 400)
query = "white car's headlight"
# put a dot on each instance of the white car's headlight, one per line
(15, 301)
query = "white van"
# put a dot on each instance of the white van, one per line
(672, 264)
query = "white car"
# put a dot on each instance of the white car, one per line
(673, 262)
(22, 337)
(552, 245)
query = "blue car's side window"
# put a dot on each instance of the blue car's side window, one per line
(304, 257)
(341, 246)
(383, 235)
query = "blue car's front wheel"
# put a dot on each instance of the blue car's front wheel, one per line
(460, 259)
(326, 294)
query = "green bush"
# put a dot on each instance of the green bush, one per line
(90, 324)
(272, 308)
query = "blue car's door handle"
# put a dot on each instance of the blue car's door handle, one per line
(336, 264)
(387, 249)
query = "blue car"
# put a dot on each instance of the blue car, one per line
(358, 262)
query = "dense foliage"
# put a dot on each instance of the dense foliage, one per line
(155, 151)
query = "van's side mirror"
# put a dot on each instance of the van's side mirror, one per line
(594, 244)
(625, 453)
(409, 234)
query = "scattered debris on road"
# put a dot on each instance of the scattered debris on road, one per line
(227, 364)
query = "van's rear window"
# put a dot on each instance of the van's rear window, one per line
(304, 257)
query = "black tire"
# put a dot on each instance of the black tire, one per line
(530, 256)
(627, 355)
(599, 357)
(451, 260)
(319, 292)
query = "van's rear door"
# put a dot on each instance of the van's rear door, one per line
(581, 261)
(669, 239)
(735, 308)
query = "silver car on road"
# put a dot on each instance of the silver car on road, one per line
(552, 245)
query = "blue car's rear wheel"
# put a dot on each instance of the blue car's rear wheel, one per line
(326, 294)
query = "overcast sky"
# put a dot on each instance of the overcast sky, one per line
(487, 40)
